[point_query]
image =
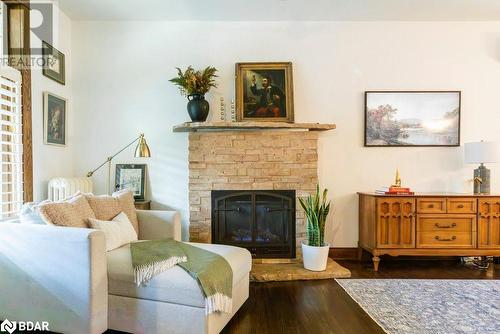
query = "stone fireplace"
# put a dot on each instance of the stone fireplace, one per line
(256, 156)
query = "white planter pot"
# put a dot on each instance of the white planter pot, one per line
(315, 258)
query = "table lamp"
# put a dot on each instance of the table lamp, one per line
(141, 151)
(481, 153)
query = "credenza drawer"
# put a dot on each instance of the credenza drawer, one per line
(446, 239)
(431, 205)
(461, 205)
(446, 222)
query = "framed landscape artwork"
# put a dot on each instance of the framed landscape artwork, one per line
(264, 92)
(133, 177)
(54, 119)
(54, 63)
(412, 118)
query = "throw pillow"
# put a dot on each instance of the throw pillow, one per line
(73, 212)
(117, 232)
(29, 213)
(107, 207)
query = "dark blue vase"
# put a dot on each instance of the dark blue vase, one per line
(198, 107)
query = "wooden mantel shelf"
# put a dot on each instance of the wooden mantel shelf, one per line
(241, 126)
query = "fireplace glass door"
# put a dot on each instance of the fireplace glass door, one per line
(261, 221)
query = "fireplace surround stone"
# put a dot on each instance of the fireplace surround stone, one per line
(249, 160)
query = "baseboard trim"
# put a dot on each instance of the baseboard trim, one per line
(343, 253)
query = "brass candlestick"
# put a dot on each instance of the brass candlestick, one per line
(398, 179)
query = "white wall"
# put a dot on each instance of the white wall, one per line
(122, 89)
(51, 161)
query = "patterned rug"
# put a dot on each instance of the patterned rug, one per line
(429, 306)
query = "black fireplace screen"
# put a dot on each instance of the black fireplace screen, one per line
(261, 221)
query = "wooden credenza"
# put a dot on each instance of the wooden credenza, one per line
(429, 225)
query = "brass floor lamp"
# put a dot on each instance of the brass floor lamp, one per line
(141, 151)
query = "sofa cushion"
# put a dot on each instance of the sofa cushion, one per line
(117, 232)
(173, 285)
(73, 212)
(106, 207)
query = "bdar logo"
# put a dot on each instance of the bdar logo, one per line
(8, 326)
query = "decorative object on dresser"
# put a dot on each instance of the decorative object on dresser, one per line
(195, 84)
(54, 119)
(315, 251)
(480, 153)
(132, 177)
(412, 118)
(429, 224)
(264, 92)
(141, 151)
(54, 66)
(395, 189)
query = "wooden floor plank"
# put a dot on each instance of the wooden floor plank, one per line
(324, 307)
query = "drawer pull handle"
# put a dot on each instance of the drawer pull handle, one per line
(460, 206)
(445, 226)
(439, 239)
(430, 205)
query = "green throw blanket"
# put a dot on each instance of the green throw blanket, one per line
(215, 276)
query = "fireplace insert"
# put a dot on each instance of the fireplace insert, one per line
(262, 221)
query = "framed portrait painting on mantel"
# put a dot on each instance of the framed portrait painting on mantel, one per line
(264, 92)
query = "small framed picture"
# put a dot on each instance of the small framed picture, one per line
(264, 92)
(131, 177)
(54, 119)
(412, 118)
(54, 63)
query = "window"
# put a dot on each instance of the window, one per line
(11, 142)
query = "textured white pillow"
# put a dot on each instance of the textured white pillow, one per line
(30, 215)
(117, 232)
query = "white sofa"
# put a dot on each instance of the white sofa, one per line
(65, 276)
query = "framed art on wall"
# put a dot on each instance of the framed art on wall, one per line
(54, 119)
(133, 177)
(54, 63)
(412, 118)
(264, 92)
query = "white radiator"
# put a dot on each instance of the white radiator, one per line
(63, 187)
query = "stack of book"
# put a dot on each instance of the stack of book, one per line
(392, 190)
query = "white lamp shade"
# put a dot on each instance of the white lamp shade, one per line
(481, 152)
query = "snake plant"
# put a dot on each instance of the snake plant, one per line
(316, 210)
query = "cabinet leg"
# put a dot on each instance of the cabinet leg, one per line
(360, 254)
(376, 261)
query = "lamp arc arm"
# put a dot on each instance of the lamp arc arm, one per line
(108, 160)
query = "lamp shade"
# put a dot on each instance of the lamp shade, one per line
(481, 152)
(142, 149)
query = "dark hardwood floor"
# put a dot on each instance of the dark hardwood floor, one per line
(323, 306)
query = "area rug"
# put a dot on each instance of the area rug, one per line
(294, 271)
(429, 306)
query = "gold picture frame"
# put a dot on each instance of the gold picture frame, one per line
(264, 92)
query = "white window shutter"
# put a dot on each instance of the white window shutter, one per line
(11, 142)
